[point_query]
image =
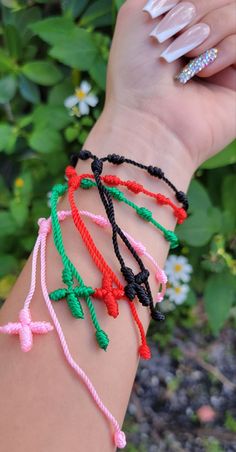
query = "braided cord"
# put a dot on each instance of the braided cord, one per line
(134, 286)
(59, 190)
(119, 159)
(146, 214)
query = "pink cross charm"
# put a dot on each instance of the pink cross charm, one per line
(25, 328)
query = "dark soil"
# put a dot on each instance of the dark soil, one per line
(194, 372)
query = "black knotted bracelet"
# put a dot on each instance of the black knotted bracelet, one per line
(119, 159)
(137, 285)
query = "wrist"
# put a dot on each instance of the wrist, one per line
(132, 133)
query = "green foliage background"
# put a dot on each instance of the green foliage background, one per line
(47, 48)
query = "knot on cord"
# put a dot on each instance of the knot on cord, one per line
(85, 155)
(116, 194)
(67, 276)
(182, 197)
(116, 159)
(73, 178)
(181, 215)
(111, 180)
(161, 199)
(134, 186)
(119, 439)
(59, 189)
(110, 295)
(87, 183)
(44, 225)
(144, 351)
(74, 159)
(97, 166)
(134, 286)
(171, 237)
(144, 213)
(25, 316)
(155, 171)
(157, 315)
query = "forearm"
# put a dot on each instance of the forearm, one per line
(45, 405)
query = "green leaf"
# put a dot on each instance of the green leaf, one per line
(198, 197)
(8, 86)
(5, 135)
(228, 223)
(71, 133)
(228, 189)
(60, 92)
(42, 72)
(24, 19)
(56, 117)
(225, 157)
(218, 298)
(8, 225)
(13, 41)
(97, 14)
(98, 72)
(8, 264)
(73, 7)
(4, 193)
(77, 51)
(6, 63)
(29, 90)
(54, 30)
(45, 140)
(198, 228)
(12, 4)
(191, 299)
(72, 45)
(215, 216)
(119, 3)
(19, 211)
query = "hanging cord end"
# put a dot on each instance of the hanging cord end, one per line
(120, 439)
(102, 339)
(145, 352)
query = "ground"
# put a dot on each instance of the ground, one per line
(195, 371)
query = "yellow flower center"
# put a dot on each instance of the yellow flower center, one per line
(80, 94)
(178, 290)
(178, 267)
(19, 183)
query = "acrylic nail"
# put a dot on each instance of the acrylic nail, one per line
(186, 42)
(158, 7)
(177, 19)
(197, 65)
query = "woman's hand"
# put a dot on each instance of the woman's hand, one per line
(146, 98)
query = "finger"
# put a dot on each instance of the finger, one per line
(225, 78)
(156, 8)
(182, 15)
(222, 23)
(226, 57)
(212, 62)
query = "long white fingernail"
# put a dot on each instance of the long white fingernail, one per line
(197, 65)
(178, 18)
(186, 42)
(158, 7)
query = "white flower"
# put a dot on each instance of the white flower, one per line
(80, 102)
(178, 269)
(178, 293)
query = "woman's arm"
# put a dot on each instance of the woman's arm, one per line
(45, 407)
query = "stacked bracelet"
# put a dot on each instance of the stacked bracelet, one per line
(119, 159)
(112, 291)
